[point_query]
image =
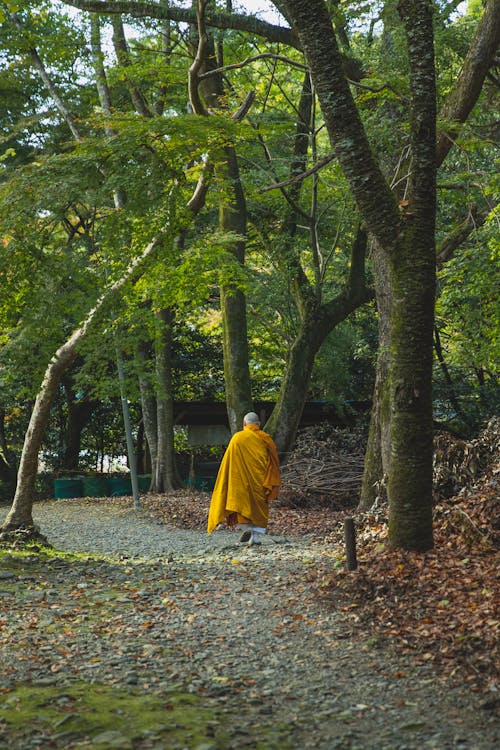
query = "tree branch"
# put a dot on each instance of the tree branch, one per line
(236, 21)
(457, 236)
(254, 58)
(299, 177)
(468, 85)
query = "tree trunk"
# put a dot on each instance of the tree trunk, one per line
(456, 108)
(376, 470)
(285, 418)
(232, 218)
(413, 280)
(164, 472)
(406, 241)
(20, 514)
(317, 322)
(148, 405)
(79, 414)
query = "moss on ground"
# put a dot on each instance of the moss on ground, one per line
(90, 715)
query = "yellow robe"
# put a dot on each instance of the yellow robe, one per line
(248, 479)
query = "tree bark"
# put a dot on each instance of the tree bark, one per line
(413, 272)
(79, 413)
(164, 472)
(457, 107)
(318, 320)
(407, 244)
(376, 470)
(148, 406)
(206, 94)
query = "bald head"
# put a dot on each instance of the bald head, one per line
(251, 418)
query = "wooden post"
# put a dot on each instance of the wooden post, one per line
(350, 543)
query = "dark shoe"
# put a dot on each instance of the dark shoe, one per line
(245, 537)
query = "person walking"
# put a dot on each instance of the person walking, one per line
(247, 481)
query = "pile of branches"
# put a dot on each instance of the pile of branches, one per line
(324, 468)
(460, 465)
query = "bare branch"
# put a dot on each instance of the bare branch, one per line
(299, 177)
(254, 58)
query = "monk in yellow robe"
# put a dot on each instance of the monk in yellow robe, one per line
(248, 480)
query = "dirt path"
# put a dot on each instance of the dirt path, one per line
(168, 639)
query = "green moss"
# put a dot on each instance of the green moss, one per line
(85, 712)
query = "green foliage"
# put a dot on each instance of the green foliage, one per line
(468, 320)
(62, 239)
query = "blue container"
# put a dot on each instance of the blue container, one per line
(204, 484)
(120, 485)
(64, 488)
(95, 487)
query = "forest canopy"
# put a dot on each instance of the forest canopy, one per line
(250, 219)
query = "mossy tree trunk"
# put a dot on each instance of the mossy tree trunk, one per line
(406, 241)
(455, 110)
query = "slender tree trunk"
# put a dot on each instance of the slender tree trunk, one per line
(7, 457)
(232, 218)
(148, 404)
(376, 470)
(287, 413)
(318, 320)
(20, 514)
(233, 304)
(165, 477)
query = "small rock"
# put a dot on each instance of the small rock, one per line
(112, 739)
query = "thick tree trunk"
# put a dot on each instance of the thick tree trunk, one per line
(406, 241)
(413, 280)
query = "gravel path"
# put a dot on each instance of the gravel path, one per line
(241, 628)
